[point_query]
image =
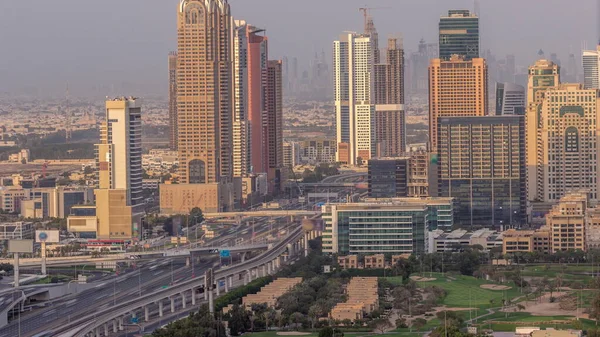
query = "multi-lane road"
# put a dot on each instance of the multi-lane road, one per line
(145, 277)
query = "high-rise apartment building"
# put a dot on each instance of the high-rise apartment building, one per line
(353, 60)
(388, 97)
(542, 75)
(119, 199)
(273, 135)
(291, 154)
(204, 91)
(173, 101)
(205, 109)
(317, 151)
(568, 157)
(591, 65)
(459, 35)
(241, 127)
(481, 164)
(457, 87)
(510, 99)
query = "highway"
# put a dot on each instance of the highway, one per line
(153, 276)
(147, 277)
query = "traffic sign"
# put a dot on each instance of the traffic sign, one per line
(225, 253)
(134, 319)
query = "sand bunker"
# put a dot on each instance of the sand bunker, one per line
(292, 333)
(422, 279)
(494, 287)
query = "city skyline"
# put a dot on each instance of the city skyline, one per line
(142, 69)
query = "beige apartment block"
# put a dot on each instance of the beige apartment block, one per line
(543, 74)
(362, 299)
(568, 153)
(376, 261)
(348, 262)
(271, 292)
(526, 241)
(457, 88)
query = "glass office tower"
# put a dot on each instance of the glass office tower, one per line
(459, 35)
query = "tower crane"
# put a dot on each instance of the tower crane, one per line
(365, 10)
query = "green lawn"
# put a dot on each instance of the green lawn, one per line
(465, 291)
(395, 280)
(274, 334)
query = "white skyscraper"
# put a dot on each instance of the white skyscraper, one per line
(241, 127)
(353, 61)
(591, 61)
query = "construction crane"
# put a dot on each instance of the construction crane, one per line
(365, 10)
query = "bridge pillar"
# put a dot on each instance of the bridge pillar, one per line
(187, 261)
(193, 296)
(120, 323)
(211, 301)
(160, 308)
(114, 324)
(269, 267)
(183, 300)
(218, 288)
(231, 281)
(290, 248)
(172, 304)
(243, 257)
(147, 313)
(105, 329)
(226, 284)
(306, 245)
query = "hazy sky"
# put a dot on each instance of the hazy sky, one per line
(46, 43)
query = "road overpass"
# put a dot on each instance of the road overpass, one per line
(261, 213)
(99, 323)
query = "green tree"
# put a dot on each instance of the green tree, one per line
(381, 325)
(196, 214)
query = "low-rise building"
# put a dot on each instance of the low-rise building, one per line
(16, 230)
(376, 261)
(348, 261)
(397, 226)
(271, 292)
(363, 299)
(54, 202)
(526, 241)
(441, 241)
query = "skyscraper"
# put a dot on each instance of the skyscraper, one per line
(274, 126)
(352, 69)
(482, 165)
(510, 99)
(205, 99)
(542, 75)
(173, 100)
(569, 142)
(388, 89)
(204, 91)
(257, 87)
(457, 87)
(241, 128)
(119, 199)
(459, 35)
(591, 65)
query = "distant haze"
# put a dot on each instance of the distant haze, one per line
(103, 47)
